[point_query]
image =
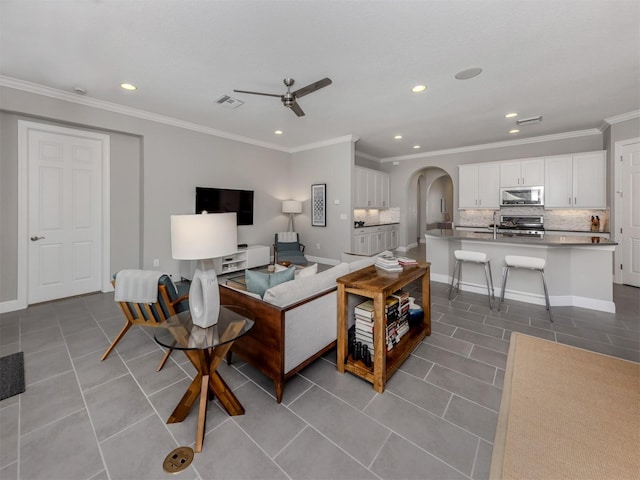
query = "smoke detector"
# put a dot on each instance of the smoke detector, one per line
(529, 121)
(228, 101)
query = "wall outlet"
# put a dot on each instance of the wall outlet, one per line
(156, 262)
(318, 246)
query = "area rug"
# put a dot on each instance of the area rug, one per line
(567, 413)
(11, 375)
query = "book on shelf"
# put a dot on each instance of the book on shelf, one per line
(365, 309)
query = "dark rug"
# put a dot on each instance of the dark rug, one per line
(11, 375)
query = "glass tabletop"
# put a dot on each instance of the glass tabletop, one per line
(180, 333)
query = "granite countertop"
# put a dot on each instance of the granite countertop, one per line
(484, 227)
(377, 225)
(548, 240)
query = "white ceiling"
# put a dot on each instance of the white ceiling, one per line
(573, 62)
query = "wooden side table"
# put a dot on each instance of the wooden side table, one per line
(377, 284)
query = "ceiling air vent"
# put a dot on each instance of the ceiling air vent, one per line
(228, 102)
(529, 121)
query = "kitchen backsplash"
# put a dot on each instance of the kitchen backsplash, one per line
(373, 216)
(574, 220)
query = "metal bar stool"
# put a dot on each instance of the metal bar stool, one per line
(530, 263)
(473, 257)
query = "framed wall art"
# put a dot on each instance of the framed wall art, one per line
(319, 205)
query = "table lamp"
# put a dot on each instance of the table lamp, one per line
(204, 237)
(291, 207)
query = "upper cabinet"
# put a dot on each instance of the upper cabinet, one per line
(479, 186)
(576, 181)
(527, 172)
(371, 188)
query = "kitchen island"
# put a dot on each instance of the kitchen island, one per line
(579, 269)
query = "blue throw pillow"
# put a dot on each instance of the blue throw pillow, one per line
(260, 282)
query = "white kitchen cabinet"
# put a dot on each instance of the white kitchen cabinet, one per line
(375, 239)
(371, 188)
(576, 181)
(479, 186)
(528, 172)
(393, 237)
(361, 244)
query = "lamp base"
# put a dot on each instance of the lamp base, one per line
(204, 296)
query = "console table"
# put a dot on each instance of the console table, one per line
(377, 284)
(246, 257)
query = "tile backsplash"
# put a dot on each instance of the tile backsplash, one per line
(574, 220)
(373, 216)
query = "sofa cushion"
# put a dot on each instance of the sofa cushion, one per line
(286, 294)
(362, 263)
(260, 282)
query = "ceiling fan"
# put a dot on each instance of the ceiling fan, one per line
(290, 98)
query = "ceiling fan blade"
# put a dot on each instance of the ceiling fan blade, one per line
(297, 110)
(258, 93)
(312, 88)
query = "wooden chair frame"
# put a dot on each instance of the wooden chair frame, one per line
(135, 315)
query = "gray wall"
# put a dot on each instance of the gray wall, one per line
(155, 169)
(332, 165)
(404, 175)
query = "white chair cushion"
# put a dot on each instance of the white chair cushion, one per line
(525, 262)
(468, 256)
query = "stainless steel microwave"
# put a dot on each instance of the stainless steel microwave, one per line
(517, 196)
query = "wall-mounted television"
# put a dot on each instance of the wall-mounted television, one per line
(223, 200)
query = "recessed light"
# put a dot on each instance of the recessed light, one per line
(128, 86)
(397, 137)
(278, 132)
(419, 88)
(416, 147)
(468, 73)
(515, 130)
(511, 115)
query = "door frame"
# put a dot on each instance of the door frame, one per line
(617, 203)
(24, 127)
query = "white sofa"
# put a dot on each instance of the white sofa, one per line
(295, 322)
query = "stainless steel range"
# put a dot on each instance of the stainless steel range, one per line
(522, 226)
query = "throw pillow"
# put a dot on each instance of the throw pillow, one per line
(300, 272)
(260, 282)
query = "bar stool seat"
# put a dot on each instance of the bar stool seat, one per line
(530, 263)
(473, 257)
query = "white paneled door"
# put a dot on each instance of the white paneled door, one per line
(630, 235)
(64, 224)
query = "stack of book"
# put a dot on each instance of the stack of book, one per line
(396, 320)
(388, 263)
(407, 261)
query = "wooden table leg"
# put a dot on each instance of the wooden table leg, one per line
(342, 347)
(379, 343)
(202, 412)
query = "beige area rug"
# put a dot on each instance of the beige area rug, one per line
(567, 413)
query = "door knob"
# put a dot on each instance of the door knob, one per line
(35, 239)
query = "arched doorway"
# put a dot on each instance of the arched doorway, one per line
(431, 197)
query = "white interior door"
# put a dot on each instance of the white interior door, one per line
(64, 213)
(630, 235)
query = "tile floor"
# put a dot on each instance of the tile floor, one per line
(80, 418)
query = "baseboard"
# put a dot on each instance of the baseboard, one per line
(10, 306)
(555, 301)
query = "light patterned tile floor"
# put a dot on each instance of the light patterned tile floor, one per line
(85, 419)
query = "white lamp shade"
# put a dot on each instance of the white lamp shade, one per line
(196, 237)
(291, 206)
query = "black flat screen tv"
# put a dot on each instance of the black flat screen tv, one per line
(223, 200)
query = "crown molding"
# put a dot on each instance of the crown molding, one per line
(325, 143)
(132, 112)
(507, 143)
(366, 156)
(623, 117)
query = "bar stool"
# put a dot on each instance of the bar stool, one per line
(473, 257)
(530, 263)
